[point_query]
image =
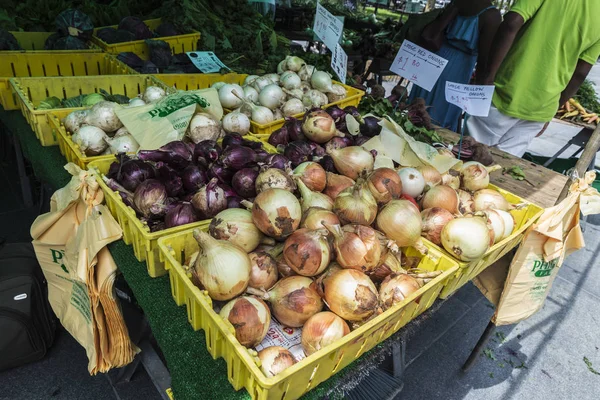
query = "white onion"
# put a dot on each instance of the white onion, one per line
(228, 99)
(290, 80)
(153, 94)
(136, 102)
(413, 182)
(261, 115)
(321, 81)
(508, 222)
(282, 67)
(203, 126)
(466, 238)
(236, 122)
(250, 94)
(295, 63)
(218, 85)
(122, 144)
(249, 79)
(74, 120)
(271, 96)
(294, 94)
(338, 92)
(306, 71)
(260, 83)
(292, 107)
(277, 114)
(91, 140)
(273, 77)
(102, 115)
(314, 98)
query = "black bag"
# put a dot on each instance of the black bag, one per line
(27, 323)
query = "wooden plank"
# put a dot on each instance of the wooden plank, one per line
(544, 187)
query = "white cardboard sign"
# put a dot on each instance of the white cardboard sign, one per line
(473, 99)
(327, 27)
(206, 61)
(420, 66)
(339, 62)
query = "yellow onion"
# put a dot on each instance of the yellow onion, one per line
(356, 205)
(400, 221)
(433, 221)
(474, 176)
(236, 226)
(389, 263)
(283, 268)
(310, 198)
(321, 330)
(319, 127)
(465, 202)
(314, 217)
(446, 152)
(356, 246)
(294, 300)
(431, 175)
(385, 185)
(307, 251)
(221, 267)
(350, 294)
(502, 223)
(312, 174)
(441, 196)
(250, 318)
(395, 288)
(276, 212)
(264, 272)
(274, 178)
(274, 360)
(489, 198)
(467, 238)
(452, 179)
(336, 183)
(352, 161)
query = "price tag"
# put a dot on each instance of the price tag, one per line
(327, 27)
(420, 66)
(339, 62)
(473, 99)
(206, 61)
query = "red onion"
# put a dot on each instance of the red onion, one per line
(317, 150)
(210, 199)
(133, 172)
(181, 214)
(294, 129)
(193, 178)
(276, 161)
(237, 157)
(338, 143)
(168, 177)
(328, 164)
(335, 112)
(243, 182)
(176, 153)
(206, 152)
(232, 139)
(220, 172)
(352, 110)
(370, 127)
(298, 152)
(150, 198)
(360, 140)
(228, 190)
(279, 137)
(235, 202)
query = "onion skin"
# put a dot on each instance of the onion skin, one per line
(465, 202)
(321, 330)
(250, 317)
(264, 273)
(351, 294)
(489, 199)
(356, 247)
(336, 183)
(314, 217)
(294, 300)
(430, 174)
(433, 221)
(274, 360)
(396, 288)
(312, 174)
(356, 205)
(400, 221)
(276, 212)
(236, 226)
(307, 252)
(319, 127)
(474, 176)
(352, 161)
(452, 179)
(466, 238)
(441, 196)
(385, 185)
(389, 263)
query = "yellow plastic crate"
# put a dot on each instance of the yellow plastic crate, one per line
(242, 368)
(35, 41)
(524, 218)
(202, 81)
(53, 63)
(179, 43)
(31, 91)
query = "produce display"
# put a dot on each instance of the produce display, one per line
(98, 130)
(296, 88)
(573, 111)
(133, 28)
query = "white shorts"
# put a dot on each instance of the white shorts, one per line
(509, 134)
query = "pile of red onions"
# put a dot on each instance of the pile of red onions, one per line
(182, 183)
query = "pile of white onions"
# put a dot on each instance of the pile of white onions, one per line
(294, 89)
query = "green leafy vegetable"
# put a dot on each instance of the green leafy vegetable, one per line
(49, 103)
(515, 171)
(589, 366)
(587, 97)
(489, 353)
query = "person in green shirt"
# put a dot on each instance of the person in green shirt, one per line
(542, 52)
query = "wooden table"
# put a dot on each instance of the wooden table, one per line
(542, 187)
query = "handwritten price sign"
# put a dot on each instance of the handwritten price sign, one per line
(420, 66)
(473, 99)
(327, 27)
(339, 62)
(206, 61)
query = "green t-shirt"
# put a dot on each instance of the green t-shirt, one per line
(541, 62)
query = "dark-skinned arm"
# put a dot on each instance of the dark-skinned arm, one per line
(503, 41)
(581, 72)
(432, 37)
(490, 21)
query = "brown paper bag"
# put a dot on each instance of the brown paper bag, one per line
(546, 244)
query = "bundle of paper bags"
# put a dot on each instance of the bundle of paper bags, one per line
(70, 243)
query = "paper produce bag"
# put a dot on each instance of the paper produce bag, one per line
(546, 244)
(157, 124)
